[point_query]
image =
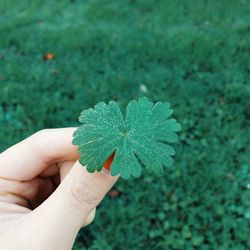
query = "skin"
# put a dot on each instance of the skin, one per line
(46, 196)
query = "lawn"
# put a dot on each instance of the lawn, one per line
(194, 54)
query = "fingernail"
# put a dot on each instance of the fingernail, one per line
(105, 171)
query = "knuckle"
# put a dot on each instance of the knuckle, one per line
(83, 194)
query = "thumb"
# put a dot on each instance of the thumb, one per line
(67, 209)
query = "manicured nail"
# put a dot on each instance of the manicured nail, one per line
(107, 164)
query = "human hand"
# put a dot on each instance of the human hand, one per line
(36, 213)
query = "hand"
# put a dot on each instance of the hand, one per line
(35, 211)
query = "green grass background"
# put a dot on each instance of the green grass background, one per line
(194, 54)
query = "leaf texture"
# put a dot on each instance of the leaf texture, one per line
(141, 138)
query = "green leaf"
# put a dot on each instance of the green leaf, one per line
(197, 240)
(138, 139)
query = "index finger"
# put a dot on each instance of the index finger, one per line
(30, 157)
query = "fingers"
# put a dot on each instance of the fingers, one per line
(11, 198)
(29, 158)
(18, 189)
(29, 194)
(50, 171)
(70, 206)
(65, 167)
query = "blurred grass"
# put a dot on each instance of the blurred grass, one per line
(194, 54)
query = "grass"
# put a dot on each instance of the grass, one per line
(195, 54)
